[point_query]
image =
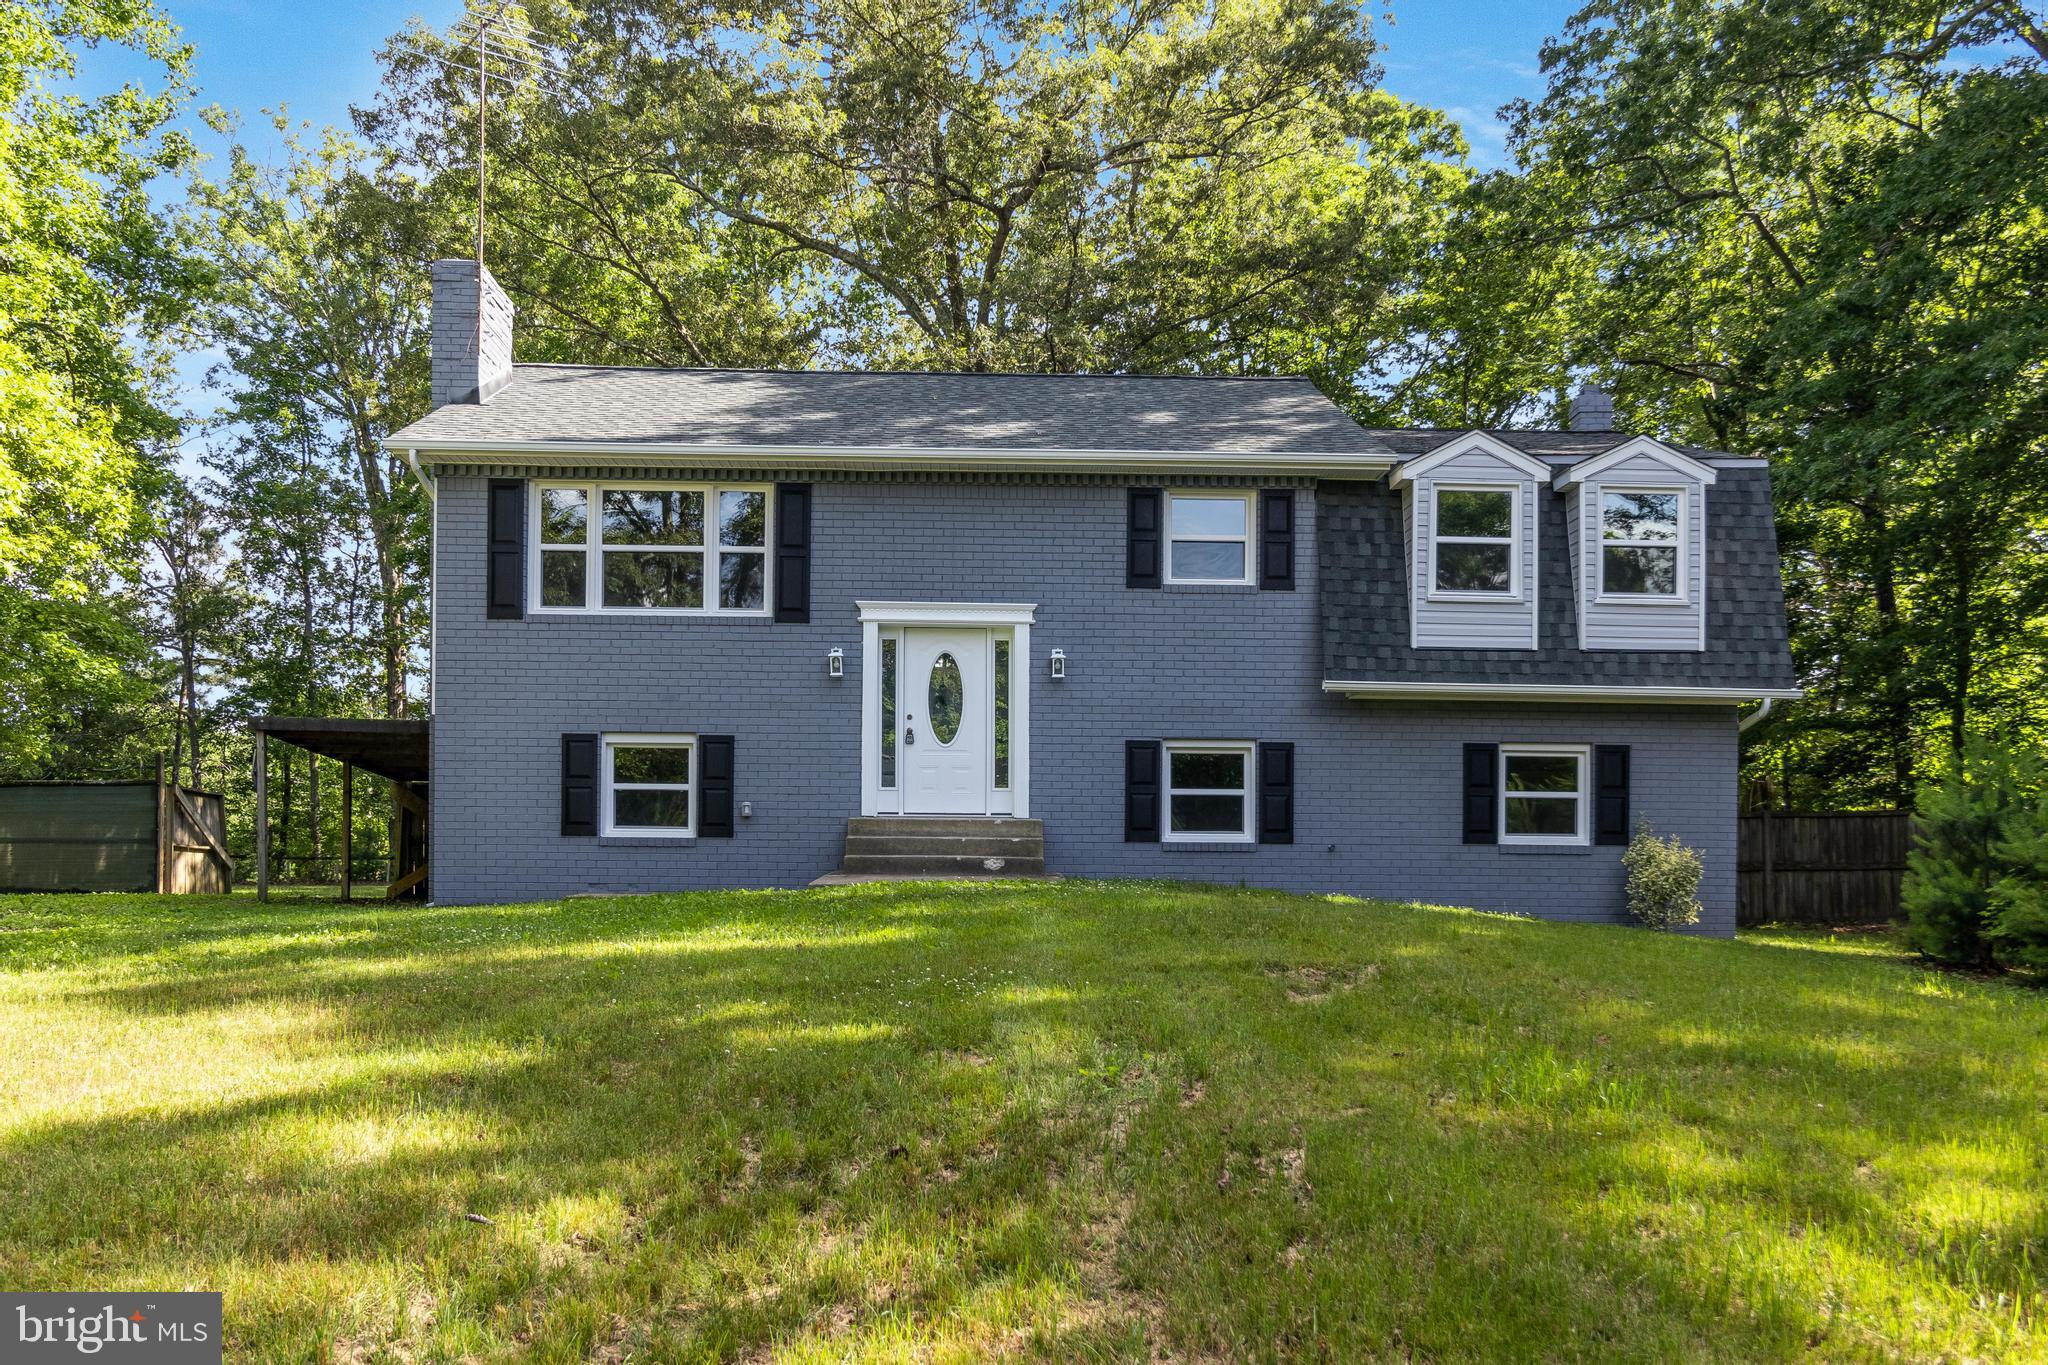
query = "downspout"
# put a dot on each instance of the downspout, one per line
(1756, 716)
(412, 459)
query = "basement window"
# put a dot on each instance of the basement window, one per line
(1208, 791)
(648, 781)
(1543, 793)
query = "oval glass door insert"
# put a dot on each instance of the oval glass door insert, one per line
(942, 708)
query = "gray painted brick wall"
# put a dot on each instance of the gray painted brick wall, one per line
(1377, 784)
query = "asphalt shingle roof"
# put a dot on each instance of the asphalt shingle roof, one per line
(1365, 601)
(588, 403)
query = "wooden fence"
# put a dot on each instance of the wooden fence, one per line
(1821, 867)
(112, 836)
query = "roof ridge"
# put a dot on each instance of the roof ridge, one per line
(917, 374)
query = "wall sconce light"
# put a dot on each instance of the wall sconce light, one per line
(835, 663)
(1059, 665)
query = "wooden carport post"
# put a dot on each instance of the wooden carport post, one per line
(348, 820)
(262, 767)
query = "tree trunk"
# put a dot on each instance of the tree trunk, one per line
(1894, 705)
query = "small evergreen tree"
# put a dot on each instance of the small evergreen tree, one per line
(2018, 933)
(1963, 848)
(1663, 880)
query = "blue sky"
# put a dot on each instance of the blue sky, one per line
(315, 57)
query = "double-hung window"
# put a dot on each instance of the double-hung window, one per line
(1208, 791)
(1640, 534)
(1472, 542)
(1209, 537)
(1543, 793)
(651, 547)
(648, 784)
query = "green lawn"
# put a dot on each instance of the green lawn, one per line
(1111, 1121)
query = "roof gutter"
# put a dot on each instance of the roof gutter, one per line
(1757, 716)
(452, 453)
(1373, 689)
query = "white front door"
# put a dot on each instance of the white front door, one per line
(945, 721)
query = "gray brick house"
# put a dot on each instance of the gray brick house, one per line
(701, 628)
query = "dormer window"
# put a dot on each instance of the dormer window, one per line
(1473, 548)
(1472, 525)
(1638, 520)
(1641, 531)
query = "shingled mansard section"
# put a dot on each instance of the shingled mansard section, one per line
(999, 507)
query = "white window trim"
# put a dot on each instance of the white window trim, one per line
(1682, 545)
(1248, 831)
(1513, 593)
(1243, 495)
(1583, 755)
(606, 786)
(593, 491)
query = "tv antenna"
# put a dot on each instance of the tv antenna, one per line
(495, 35)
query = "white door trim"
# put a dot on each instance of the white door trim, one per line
(1016, 617)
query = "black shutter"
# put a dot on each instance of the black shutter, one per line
(1482, 788)
(1141, 791)
(714, 787)
(1276, 539)
(1142, 548)
(1610, 794)
(1276, 793)
(579, 784)
(792, 553)
(505, 535)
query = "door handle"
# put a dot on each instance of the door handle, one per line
(909, 735)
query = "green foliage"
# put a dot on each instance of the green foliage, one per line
(2018, 930)
(321, 310)
(1663, 880)
(1043, 185)
(1976, 854)
(85, 265)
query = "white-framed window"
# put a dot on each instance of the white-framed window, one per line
(650, 785)
(1543, 797)
(659, 547)
(1474, 541)
(1208, 534)
(1642, 538)
(1208, 791)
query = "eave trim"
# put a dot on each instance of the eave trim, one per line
(1535, 692)
(450, 453)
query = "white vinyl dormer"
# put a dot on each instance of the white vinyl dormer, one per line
(1638, 525)
(1470, 513)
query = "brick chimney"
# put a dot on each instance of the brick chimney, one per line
(1592, 409)
(472, 333)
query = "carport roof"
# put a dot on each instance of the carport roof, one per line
(396, 749)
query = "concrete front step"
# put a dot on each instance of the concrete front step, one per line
(945, 845)
(879, 846)
(878, 865)
(954, 826)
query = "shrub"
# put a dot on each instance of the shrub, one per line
(1663, 880)
(1970, 838)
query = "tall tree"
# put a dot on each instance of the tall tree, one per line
(191, 589)
(320, 308)
(1036, 185)
(89, 279)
